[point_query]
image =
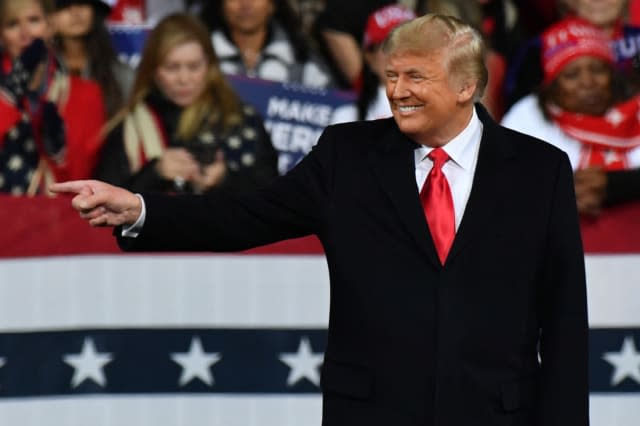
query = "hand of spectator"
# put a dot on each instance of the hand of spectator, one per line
(53, 133)
(27, 70)
(33, 55)
(101, 204)
(212, 174)
(178, 165)
(590, 184)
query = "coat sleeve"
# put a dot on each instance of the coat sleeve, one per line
(291, 206)
(564, 387)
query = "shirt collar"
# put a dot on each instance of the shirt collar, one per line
(460, 149)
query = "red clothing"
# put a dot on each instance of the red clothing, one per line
(84, 116)
(634, 12)
(81, 108)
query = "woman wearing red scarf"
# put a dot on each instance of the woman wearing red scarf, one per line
(524, 71)
(579, 110)
(50, 122)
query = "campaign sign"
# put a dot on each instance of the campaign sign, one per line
(128, 41)
(293, 114)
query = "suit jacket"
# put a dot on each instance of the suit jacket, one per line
(496, 336)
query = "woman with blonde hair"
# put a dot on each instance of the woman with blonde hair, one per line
(183, 128)
(50, 121)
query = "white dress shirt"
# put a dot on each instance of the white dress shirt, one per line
(460, 169)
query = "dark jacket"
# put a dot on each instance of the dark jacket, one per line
(411, 342)
(250, 157)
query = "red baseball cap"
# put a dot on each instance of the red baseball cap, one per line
(569, 39)
(382, 21)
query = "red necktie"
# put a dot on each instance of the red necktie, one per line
(437, 204)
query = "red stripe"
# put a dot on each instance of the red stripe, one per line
(43, 226)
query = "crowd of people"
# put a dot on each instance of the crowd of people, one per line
(565, 71)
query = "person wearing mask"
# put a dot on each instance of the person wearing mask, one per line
(183, 128)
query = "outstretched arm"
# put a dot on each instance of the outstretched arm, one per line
(101, 204)
(291, 206)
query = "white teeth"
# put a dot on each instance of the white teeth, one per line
(408, 108)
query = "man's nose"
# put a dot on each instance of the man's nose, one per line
(25, 35)
(400, 89)
(183, 75)
(586, 79)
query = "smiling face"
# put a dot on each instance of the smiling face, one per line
(584, 86)
(182, 75)
(429, 105)
(22, 23)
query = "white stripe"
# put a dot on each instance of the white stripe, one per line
(170, 410)
(613, 286)
(183, 291)
(614, 410)
(227, 410)
(225, 291)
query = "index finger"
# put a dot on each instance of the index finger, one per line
(72, 186)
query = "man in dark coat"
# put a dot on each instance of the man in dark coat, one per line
(457, 273)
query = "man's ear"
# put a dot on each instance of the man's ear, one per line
(466, 90)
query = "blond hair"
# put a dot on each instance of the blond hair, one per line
(218, 102)
(464, 46)
(8, 8)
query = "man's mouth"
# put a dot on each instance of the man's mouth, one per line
(409, 108)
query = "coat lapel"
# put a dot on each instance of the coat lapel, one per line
(490, 184)
(393, 165)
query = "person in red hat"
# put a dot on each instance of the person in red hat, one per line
(525, 70)
(579, 110)
(372, 100)
(84, 47)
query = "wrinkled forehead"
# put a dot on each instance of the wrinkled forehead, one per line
(412, 56)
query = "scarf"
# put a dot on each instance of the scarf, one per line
(606, 140)
(34, 143)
